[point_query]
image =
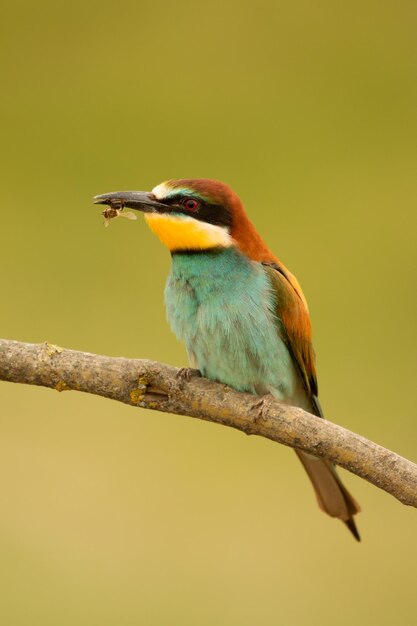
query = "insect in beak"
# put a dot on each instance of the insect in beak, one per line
(112, 212)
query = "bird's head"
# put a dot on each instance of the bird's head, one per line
(197, 214)
(194, 215)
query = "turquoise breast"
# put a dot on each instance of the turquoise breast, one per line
(222, 306)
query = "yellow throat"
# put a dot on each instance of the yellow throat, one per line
(180, 232)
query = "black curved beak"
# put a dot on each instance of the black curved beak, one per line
(138, 200)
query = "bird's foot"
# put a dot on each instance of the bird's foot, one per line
(185, 374)
(259, 407)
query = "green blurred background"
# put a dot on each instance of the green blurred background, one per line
(111, 516)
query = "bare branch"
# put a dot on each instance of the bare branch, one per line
(156, 386)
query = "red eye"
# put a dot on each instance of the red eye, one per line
(191, 204)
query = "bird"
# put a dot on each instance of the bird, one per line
(240, 312)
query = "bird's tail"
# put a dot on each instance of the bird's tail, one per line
(332, 496)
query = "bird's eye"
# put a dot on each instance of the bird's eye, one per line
(191, 204)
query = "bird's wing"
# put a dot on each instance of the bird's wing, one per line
(293, 313)
(332, 495)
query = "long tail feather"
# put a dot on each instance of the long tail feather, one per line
(332, 496)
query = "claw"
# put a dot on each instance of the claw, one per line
(259, 407)
(187, 373)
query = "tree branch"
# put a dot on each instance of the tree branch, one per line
(156, 386)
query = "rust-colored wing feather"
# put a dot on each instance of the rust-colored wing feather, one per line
(293, 312)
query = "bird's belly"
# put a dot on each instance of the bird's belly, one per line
(233, 336)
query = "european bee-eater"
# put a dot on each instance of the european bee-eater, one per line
(241, 314)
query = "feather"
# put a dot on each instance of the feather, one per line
(293, 313)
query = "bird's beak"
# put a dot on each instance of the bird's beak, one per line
(138, 200)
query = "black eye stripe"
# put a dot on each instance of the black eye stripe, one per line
(205, 211)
